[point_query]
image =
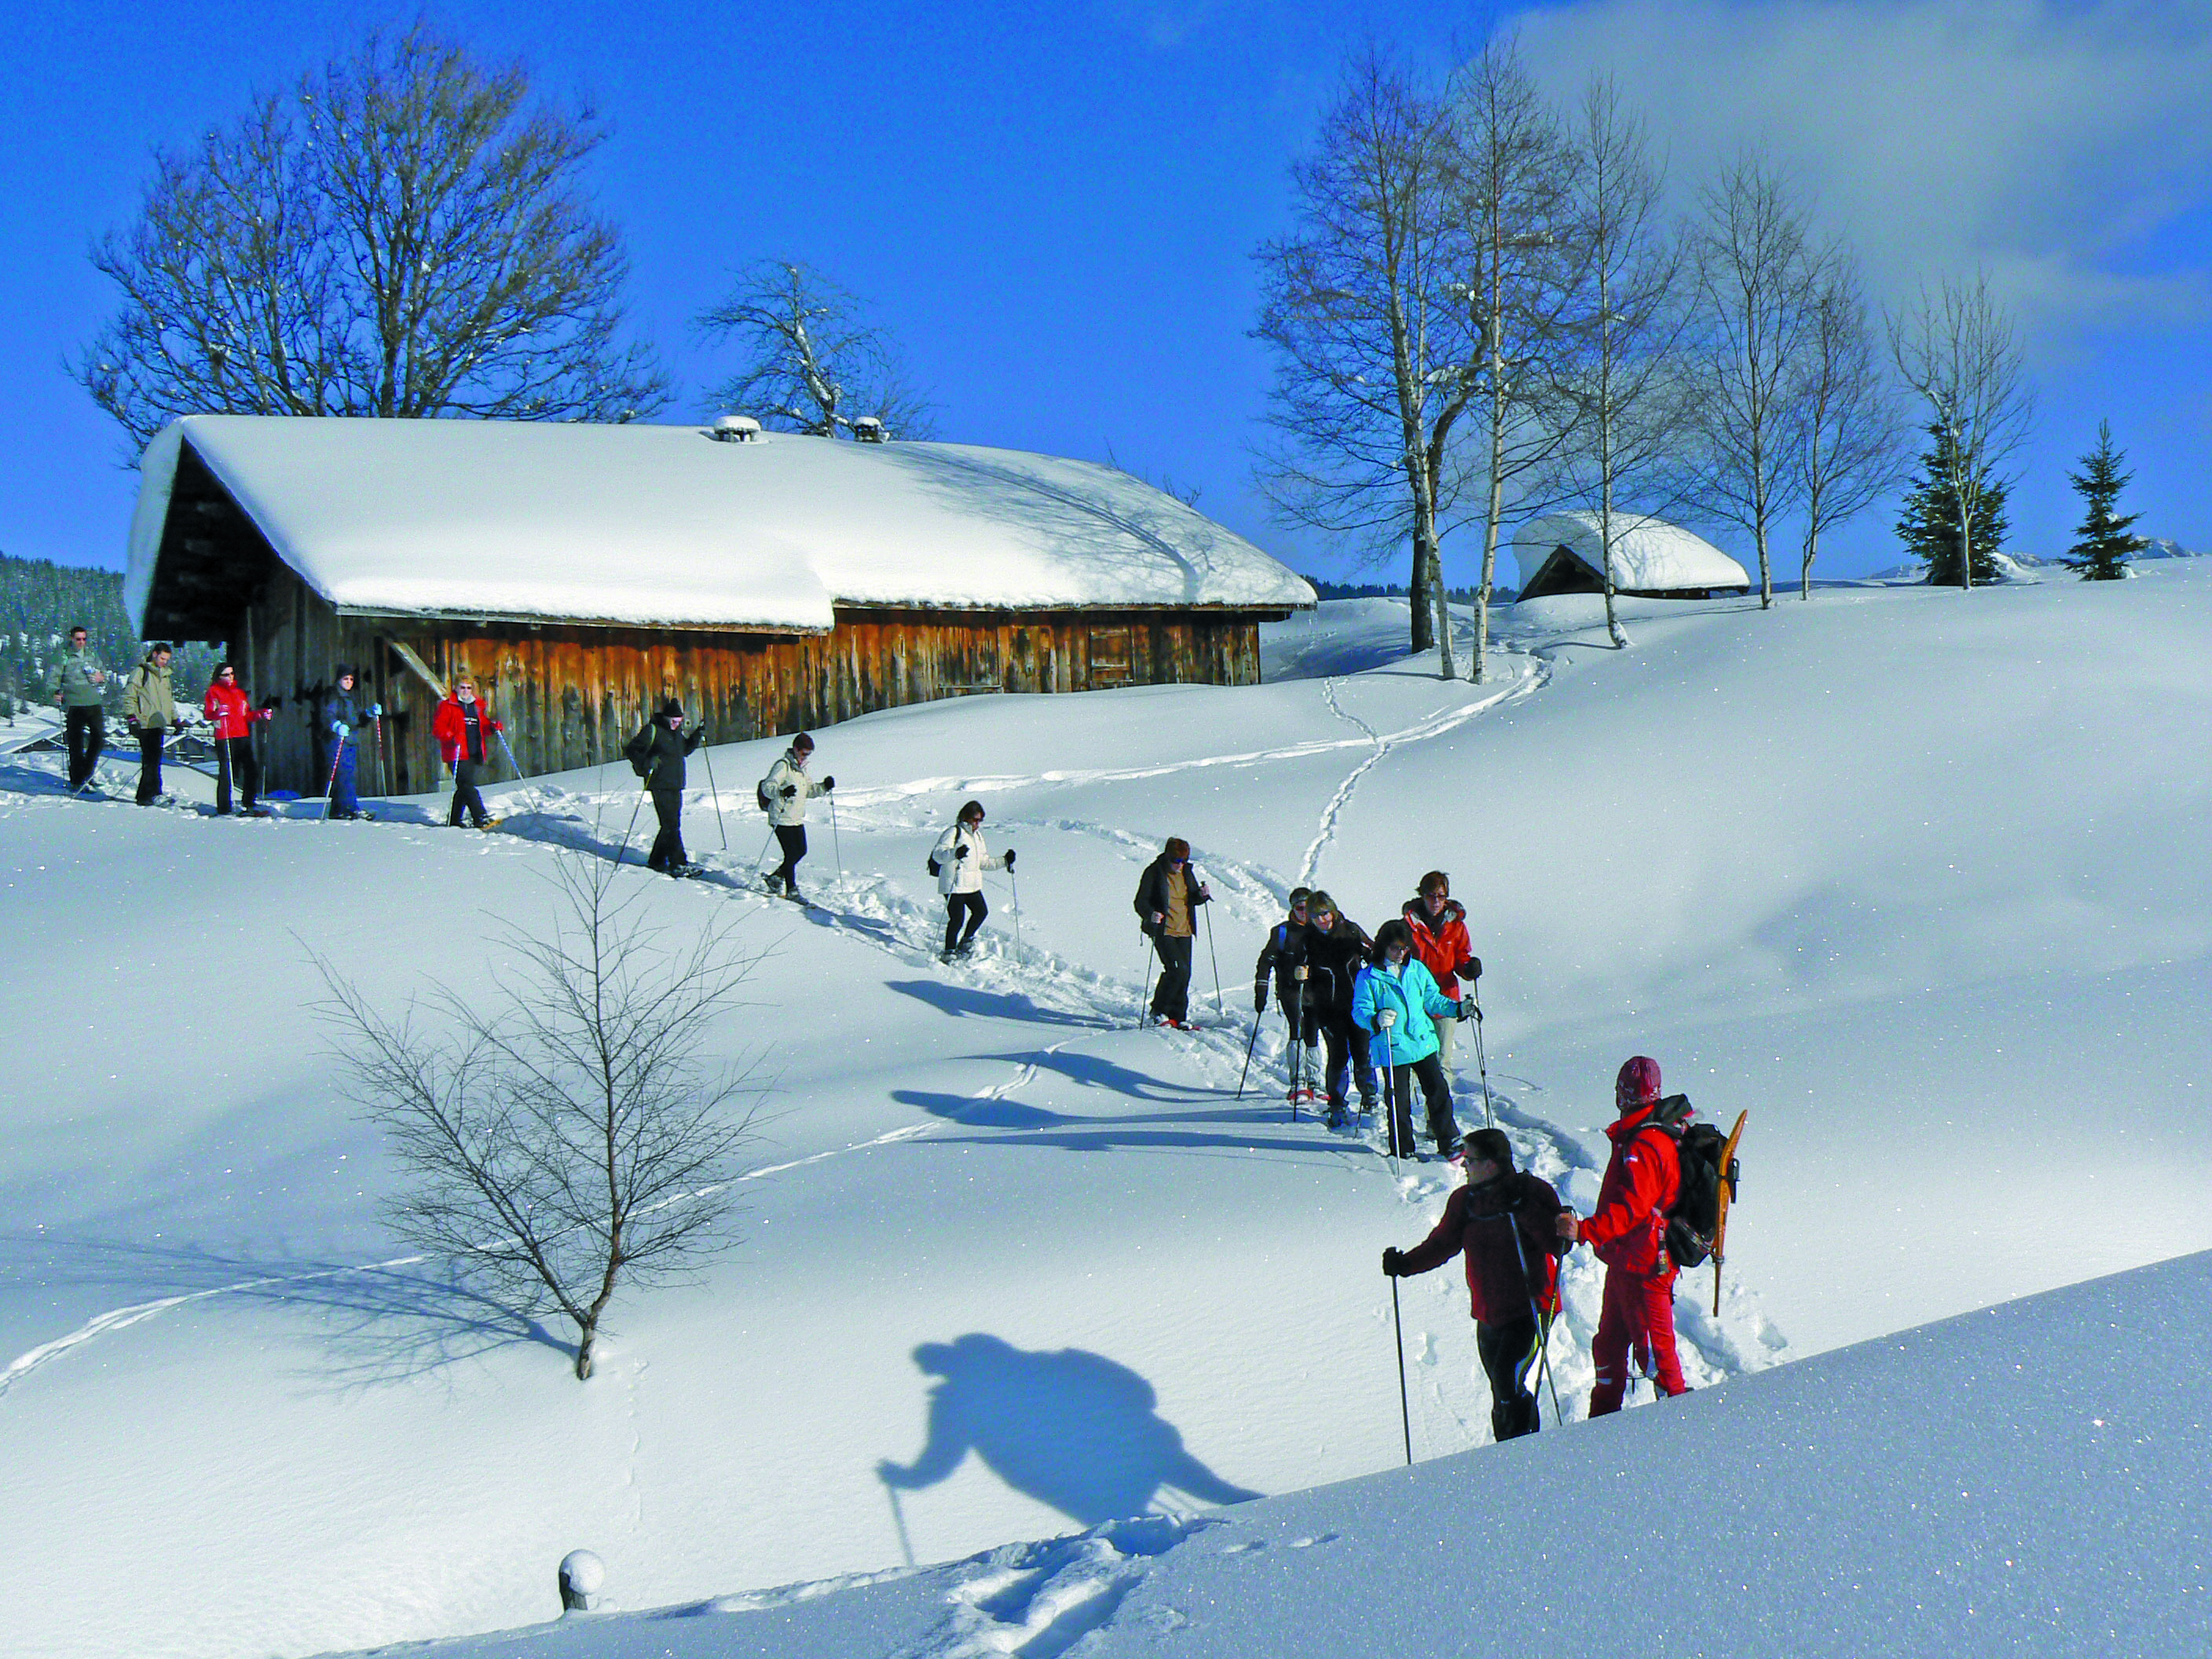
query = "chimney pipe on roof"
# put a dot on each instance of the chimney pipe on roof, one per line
(869, 430)
(734, 429)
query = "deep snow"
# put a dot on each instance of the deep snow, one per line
(1919, 878)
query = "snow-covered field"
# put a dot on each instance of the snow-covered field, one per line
(1919, 878)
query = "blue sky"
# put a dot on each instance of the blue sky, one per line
(1054, 209)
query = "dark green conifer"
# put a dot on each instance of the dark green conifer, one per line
(1929, 526)
(2105, 547)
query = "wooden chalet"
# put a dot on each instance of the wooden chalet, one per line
(1565, 553)
(582, 573)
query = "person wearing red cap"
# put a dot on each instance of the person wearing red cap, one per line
(1628, 1230)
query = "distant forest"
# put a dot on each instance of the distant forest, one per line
(1396, 591)
(40, 602)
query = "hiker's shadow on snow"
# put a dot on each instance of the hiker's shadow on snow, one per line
(375, 1325)
(963, 1001)
(1074, 1430)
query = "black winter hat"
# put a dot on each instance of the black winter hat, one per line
(343, 672)
(671, 710)
(1490, 1144)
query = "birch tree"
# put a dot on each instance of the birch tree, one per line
(812, 358)
(1755, 275)
(1628, 386)
(405, 232)
(561, 1137)
(1958, 353)
(1514, 188)
(1846, 443)
(1364, 306)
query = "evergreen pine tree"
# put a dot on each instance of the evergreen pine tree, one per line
(2102, 554)
(1929, 526)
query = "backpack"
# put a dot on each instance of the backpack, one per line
(1695, 1214)
(638, 752)
(761, 796)
(935, 869)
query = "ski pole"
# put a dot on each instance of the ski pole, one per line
(1219, 1013)
(1482, 1064)
(632, 830)
(836, 841)
(381, 768)
(337, 755)
(1144, 975)
(1543, 1325)
(1251, 1042)
(898, 1520)
(1015, 882)
(1405, 1410)
(720, 823)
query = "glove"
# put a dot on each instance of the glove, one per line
(341, 729)
(376, 713)
(496, 726)
(1204, 894)
(1259, 996)
(265, 714)
(1393, 1264)
(1386, 1020)
(961, 851)
(1471, 969)
(788, 791)
(1010, 858)
(1158, 918)
(828, 784)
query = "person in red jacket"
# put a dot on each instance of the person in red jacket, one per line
(233, 714)
(1440, 945)
(1504, 1221)
(463, 728)
(1628, 1230)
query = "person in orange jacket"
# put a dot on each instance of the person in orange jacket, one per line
(233, 714)
(1628, 1230)
(464, 729)
(1438, 924)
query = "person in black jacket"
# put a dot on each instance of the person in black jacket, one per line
(1169, 894)
(664, 743)
(1337, 948)
(1283, 958)
(1505, 1222)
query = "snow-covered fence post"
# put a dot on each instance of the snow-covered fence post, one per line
(583, 1581)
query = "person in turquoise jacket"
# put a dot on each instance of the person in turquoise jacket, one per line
(1396, 999)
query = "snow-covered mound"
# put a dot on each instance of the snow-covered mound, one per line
(2025, 1480)
(1921, 879)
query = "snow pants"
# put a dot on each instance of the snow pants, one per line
(86, 735)
(1345, 1042)
(149, 764)
(1508, 1351)
(466, 796)
(344, 802)
(1436, 1099)
(1637, 1317)
(792, 837)
(1171, 996)
(957, 905)
(667, 853)
(233, 758)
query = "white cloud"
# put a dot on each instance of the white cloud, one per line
(2051, 142)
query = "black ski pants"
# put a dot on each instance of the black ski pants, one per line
(1171, 996)
(1508, 1350)
(466, 796)
(1345, 1042)
(233, 758)
(1435, 1098)
(957, 905)
(668, 853)
(792, 837)
(86, 733)
(149, 764)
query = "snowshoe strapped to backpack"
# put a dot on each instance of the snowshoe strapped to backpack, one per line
(1694, 1217)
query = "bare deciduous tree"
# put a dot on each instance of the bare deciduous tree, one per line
(403, 233)
(1629, 387)
(1956, 352)
(814, 360)
(563, 1136)
(1755, 273)
(1366, 308)
(1846, 444)
(1514, 188)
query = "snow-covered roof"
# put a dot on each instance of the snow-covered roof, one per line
(1650, 556)
(663, 525)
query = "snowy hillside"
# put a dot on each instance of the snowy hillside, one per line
(1920, 878)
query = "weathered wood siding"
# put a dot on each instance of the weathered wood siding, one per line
(572, 696)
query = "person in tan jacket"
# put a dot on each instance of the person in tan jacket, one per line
(149, 709)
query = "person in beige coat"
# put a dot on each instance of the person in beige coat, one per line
(785, 792)
(149, 709)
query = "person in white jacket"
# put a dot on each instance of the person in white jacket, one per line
(785, 792)
(960, 858)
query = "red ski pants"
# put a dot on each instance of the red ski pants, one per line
(1639, 1314)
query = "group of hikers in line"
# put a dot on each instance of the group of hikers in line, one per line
(463, 727)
